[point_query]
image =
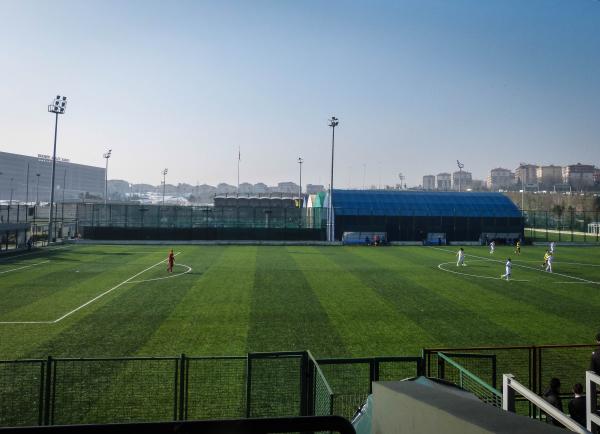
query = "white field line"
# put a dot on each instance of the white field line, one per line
(165, 277)
(22, 268)
(44, 249)
(477, 275)
(90, 301)
(523, 266)
(583, 264)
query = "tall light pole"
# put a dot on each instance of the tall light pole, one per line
(238, 172)
(58, 107)
(522, 194)
(460, 168)
(37, 190)
(27, 190)
(300, 161)
(106, 155)
(11, 197)
(164, 174)
(333, 122)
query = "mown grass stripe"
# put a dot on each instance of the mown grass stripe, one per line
(506, 304)
(285, 313)
(212, 318)
(407, 285)
(369, 324)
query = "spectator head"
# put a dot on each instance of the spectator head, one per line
(555, 385)
(578, 389)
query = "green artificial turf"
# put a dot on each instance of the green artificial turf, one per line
(114, 301)
(334, 301)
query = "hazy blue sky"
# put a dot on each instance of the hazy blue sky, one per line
(416, 84)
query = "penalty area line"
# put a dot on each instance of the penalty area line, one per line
(582, 280)
(87, 303)
(475, 275)
(22, 268)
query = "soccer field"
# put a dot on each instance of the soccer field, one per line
(99, 300)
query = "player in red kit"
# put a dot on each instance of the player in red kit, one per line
(171, 261)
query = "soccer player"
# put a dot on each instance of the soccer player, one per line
(518, 248)
(552, 244)
(492, 247)
(508, 266)
(171, 261)
(461, 257)
(549, 262)
(546, 256)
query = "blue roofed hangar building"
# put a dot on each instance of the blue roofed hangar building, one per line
(427, 216)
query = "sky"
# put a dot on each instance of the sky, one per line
(416, 85)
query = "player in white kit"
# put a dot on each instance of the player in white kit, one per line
(492, 247)
(461, 257)
(508, 270)
(552, 247)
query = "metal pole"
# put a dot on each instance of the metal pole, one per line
(52, 183)
(164, 185)
(62, 206)
(522, 194)
(11, 198)
(331, 231)
(27, 189)
(106, 181)
(300, 161)
(238, 171)
(37, 190)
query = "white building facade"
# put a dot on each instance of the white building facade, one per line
(72, 181)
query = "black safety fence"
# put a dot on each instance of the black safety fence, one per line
(208, 234)
(61, 391)
(563, 225)
(188, 217)
(351, 379)
(533, 366)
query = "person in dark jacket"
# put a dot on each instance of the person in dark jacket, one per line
(595, 362)
(552, 395)
(577, 405)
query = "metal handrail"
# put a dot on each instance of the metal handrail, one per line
(510, 386)
(320, 372)
(465, 371)
(592, 381)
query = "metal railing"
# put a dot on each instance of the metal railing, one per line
(467, 380)
(351, 379)
(592, 381)
(511, 387)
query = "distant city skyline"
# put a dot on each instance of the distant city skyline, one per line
(416, 85)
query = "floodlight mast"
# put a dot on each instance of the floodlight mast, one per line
(107, 156)
(300, 161)
(333, 122)
(58, 107)
(164, 174)
(460, 168)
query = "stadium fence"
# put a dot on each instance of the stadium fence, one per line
(563, 226)
(56, 391)
(534, 366)
(140, 221)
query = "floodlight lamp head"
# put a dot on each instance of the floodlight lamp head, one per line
(333, 122)
(59, 105)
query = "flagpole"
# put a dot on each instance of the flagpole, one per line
(238, 173)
